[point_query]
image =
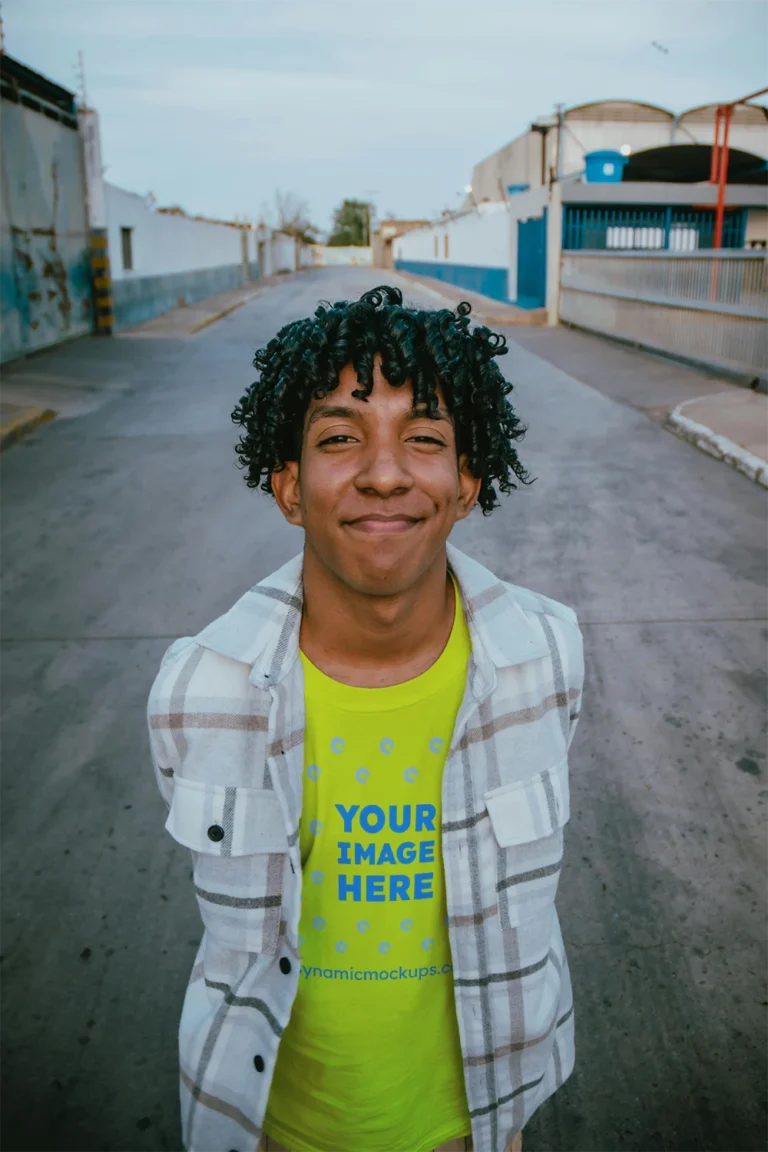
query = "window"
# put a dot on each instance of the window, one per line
(127, 247)
(436, 248)
(445, 246)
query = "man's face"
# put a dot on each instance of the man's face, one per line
(379, 486)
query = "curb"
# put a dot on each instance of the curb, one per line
(22, 425)
(718, 446)
(216, 316)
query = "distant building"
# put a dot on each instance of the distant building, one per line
(610, 176)
(387, 232)
(654, 144)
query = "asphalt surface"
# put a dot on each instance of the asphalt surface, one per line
(129, 524)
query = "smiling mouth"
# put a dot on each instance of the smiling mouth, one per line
(383, 524)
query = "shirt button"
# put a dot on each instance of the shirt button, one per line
(258, 1063)
(285, 965)
(215, 833)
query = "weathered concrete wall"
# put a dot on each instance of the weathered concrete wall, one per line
(45, 278)
(139, 299)
(283, 253)
(173, 259)
(162, 243)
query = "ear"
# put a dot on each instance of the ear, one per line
(469, 489)
(285, 485)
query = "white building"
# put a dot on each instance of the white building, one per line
(157, 259)
(554, 147)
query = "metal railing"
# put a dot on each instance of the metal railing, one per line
(707, 307)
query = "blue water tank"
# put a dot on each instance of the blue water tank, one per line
(605, 167)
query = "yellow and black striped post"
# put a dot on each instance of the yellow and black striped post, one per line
(101, 275)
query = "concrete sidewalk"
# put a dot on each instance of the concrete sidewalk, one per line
(33, 395)
(193, 318)
(733, 426)
(724, 419)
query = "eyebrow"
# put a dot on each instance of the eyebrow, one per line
(330, 411)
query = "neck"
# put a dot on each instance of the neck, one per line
(375, 641)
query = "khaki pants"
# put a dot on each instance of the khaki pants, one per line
(463, 1144)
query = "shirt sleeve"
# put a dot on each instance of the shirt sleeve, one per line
(162, 725)
(575, 678)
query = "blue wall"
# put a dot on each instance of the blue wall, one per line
(139, 299)
(491, 282)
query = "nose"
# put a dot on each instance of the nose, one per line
(384, 471)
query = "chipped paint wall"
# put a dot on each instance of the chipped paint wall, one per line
(45, 280)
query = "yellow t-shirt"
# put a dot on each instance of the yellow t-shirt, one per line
(371, 1059)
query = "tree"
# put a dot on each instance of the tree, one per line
(352, 224)
(292, 217)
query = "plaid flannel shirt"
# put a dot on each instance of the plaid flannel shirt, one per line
(226, 722)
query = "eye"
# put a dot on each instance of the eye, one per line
(428, 440)
(339, 438)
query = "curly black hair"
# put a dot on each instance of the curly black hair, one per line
(422, 348)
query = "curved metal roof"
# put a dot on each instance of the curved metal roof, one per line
(625, 111)
(742, 114)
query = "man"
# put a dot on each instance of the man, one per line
(367, 756)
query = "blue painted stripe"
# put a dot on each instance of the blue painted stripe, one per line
(493, 282)
(137, 299)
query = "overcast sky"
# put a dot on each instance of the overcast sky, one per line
(212, 104)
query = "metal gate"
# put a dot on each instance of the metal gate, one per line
(672, 228)
(45, 276)
(532, 262)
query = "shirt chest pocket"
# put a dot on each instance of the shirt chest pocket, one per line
(240, 853)
(527, 820)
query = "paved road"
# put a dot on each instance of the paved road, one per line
(129, 525)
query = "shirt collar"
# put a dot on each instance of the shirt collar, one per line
(262, 628)
(503, 634)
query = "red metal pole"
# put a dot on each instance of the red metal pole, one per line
(715, 162)
(723, 179)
